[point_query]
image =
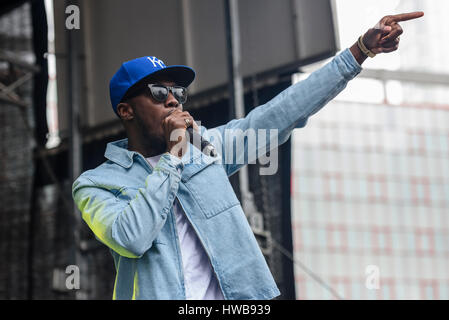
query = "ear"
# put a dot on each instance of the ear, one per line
(125, 111)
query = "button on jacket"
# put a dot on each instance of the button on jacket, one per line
(129, 205)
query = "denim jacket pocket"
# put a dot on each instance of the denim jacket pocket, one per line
(209, 185)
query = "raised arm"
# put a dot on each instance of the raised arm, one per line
(277, 118)
(239, 140)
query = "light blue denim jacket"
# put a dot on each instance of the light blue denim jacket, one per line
(128, 204)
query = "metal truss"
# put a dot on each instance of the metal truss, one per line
(8, 91)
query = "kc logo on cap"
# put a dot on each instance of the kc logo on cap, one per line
(155, 60)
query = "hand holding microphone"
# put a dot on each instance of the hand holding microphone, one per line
(179, 128)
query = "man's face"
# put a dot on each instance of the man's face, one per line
(149, 115)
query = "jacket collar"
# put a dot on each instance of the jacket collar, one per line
(117, 151)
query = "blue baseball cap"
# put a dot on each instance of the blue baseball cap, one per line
(134, 71)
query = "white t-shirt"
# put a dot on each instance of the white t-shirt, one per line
(199, 278)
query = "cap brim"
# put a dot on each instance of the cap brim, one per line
(181, 75)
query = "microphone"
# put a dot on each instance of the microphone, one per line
(206, 147)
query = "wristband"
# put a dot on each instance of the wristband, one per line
(364, 49)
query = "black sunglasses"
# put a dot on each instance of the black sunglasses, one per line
(160, 92)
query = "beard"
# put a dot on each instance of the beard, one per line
(152, 141)
(155, 143)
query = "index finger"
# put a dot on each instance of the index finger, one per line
(407, 16)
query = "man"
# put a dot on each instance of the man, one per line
(168, 213)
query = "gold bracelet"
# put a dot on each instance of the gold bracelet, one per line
(364, 49)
